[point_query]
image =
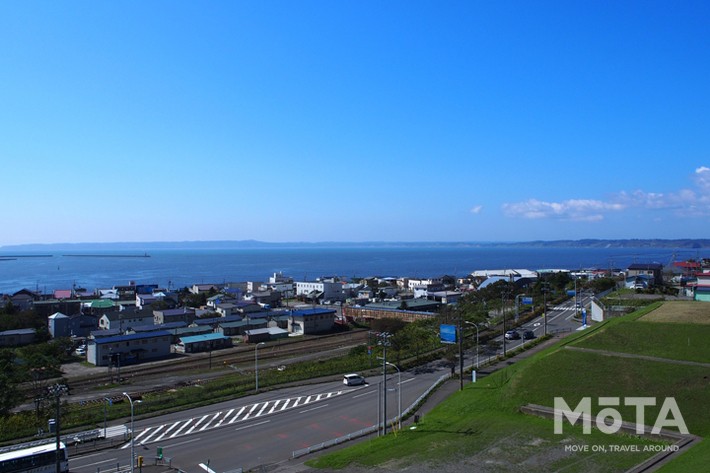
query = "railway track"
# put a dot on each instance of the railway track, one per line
(237, 358)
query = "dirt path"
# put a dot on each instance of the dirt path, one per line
(640, 357)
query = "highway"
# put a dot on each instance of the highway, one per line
(266, 428)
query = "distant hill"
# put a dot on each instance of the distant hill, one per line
(247, 244)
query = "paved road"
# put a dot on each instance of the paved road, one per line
(261, 429)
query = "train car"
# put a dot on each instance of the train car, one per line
(34, 459)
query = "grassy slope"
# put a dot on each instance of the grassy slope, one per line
(666, 340)
(492, 423)
(483, 423)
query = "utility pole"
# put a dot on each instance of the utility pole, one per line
(56, 391)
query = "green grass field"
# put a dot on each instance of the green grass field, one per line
(474, 431)
(666, 340)
(481, 428)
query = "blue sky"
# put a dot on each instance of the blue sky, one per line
(354, 121)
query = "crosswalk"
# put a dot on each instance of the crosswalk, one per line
(217, 419)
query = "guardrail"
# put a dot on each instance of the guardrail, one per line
(371, 429)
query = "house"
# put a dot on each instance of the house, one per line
(83, 324)
(123, 320)
(63, 294)
(264, 334)
(203, 288)
(182, 314)
(639, 281)
(120, 350)
(97, 307)
(266, 298)
(702, 287)
(207, 342)
(445, 297)
(308, 321)
(19, 337)
(653, 270)
(59, 325)
(23, 299)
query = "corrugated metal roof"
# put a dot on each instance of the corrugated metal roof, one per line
(314, 311)
(202, 338)
(133, 336)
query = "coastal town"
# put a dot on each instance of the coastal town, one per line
(134, 323)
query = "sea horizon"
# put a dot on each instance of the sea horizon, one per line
(46, 270)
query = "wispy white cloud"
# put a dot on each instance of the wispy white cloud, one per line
(684, 202)
(574, 209)
(476, 209)
(702, 179)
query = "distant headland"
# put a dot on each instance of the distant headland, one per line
(255, 244)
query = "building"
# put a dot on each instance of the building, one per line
(17, 338)
(199, 343)
(125, 319)
(652, 270)
(321, 290)
(408, 310)
(702, 287)
(264, 334)
(59, 325)
(121, 350)
(309, 321)
(182, 314)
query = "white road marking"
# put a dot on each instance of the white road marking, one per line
(262, 409)
(250, 411)
(275, 405)
(206, 468)
(187, 422)
(167, 431)
(95, 463)
(182, 443)
(252, 425)
(237, 415)
(153, 433)
(313, 408)
(210, 421)
(224, 418)
(196, 424)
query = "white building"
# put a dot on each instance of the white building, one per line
(322, 290)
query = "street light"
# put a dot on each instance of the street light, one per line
(475, 325)
(133, 436)
(399, 394)
(256, 364)
(384, 342)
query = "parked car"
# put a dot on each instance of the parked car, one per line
(512, 335)
(80, 351)
(528, 335)
(353, 379)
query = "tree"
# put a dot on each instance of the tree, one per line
(9, 395)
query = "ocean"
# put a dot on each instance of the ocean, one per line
(46, 271)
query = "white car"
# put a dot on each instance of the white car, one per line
(353, 379)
